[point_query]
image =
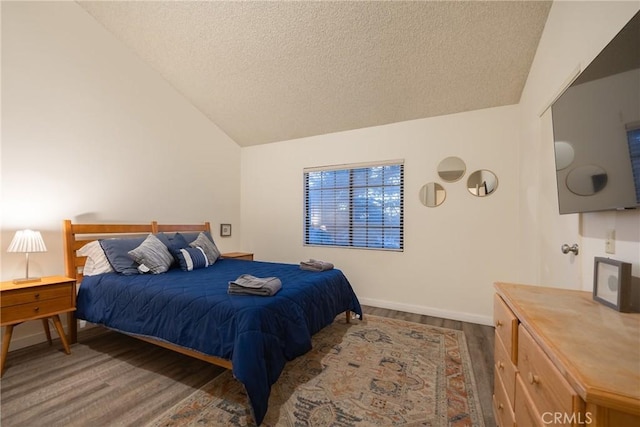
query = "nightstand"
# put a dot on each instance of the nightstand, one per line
(47, 298)
(248, 256)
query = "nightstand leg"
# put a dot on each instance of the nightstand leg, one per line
(8, 331)
(72, 325)
(63, 336)
(45, 324)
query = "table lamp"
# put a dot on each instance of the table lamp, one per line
(27, 241)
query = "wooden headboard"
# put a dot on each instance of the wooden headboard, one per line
(78, 235)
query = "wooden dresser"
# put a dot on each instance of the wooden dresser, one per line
(563, 359)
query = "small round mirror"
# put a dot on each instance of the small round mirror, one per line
(587, 180)
(564, 154)
(451, 169)
(432, 194)
(482, 183)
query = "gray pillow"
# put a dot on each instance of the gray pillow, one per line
(117, 252)
(152, 255)
(210, 249)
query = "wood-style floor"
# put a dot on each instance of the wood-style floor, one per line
(127, 382)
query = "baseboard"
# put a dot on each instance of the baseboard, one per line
(429, 311)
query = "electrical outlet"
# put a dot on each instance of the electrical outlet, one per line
(610, 242)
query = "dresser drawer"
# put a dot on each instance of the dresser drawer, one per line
(548, 390)
(502, 409)
(506, 324)
(525, 411)
(35, 294)
(35, 310)
(504, 369)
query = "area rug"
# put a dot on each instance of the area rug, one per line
(374, 372)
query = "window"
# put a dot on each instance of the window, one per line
(357, 206)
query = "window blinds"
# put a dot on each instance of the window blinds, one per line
(358, 205)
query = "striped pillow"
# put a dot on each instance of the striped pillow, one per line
(191, 258)
(152, 255)
(210, 249)
(97, 262)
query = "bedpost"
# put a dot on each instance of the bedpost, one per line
(154, 227)
(71, 270)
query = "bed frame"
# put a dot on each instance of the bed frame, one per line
(77, 235)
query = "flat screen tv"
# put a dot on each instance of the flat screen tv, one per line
(596, 130)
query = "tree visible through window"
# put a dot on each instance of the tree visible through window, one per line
(357, 206)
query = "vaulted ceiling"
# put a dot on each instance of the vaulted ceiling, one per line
(267, 71)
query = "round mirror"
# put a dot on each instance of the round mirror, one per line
(482, 183)
(564, 154)
(432, 194)
(587, 180)
(451, 169)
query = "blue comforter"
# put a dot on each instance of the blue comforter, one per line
(193, 310)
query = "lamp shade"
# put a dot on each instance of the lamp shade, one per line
(27, 241)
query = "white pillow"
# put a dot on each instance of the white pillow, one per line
(97, 262)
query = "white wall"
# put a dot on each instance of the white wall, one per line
(453, 253)
(574, 34)
(91, 133)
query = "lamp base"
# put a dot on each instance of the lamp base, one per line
(27, 280)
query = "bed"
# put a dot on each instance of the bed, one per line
(192, 313)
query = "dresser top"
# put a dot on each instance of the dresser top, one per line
(596, 348)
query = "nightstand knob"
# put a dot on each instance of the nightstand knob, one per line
(500, 406)
(36, 296)
(498, 323)
(500, 365)
(36, 309)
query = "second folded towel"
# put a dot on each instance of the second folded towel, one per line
(315, 265)
(247, 284)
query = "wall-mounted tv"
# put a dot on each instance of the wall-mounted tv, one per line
(596, 129)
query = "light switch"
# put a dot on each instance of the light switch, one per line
(610, 242)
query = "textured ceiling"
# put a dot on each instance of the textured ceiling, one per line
(272, 71)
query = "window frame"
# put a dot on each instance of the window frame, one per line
(354, 242)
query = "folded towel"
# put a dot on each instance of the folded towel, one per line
(247, 284)
(315, 265)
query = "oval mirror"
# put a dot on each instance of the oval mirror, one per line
(451, 169)
(587, 180)
(432, 194)
(564, 154)
(482, 183)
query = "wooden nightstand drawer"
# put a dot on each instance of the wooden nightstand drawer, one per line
(35, 294)
(506, 324)
(548, 390)
(35, 310)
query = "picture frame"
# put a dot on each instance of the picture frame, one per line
(225, 230)
(612, 284)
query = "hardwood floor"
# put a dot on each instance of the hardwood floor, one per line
(44, 387)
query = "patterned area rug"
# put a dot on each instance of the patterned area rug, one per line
(378, 371)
